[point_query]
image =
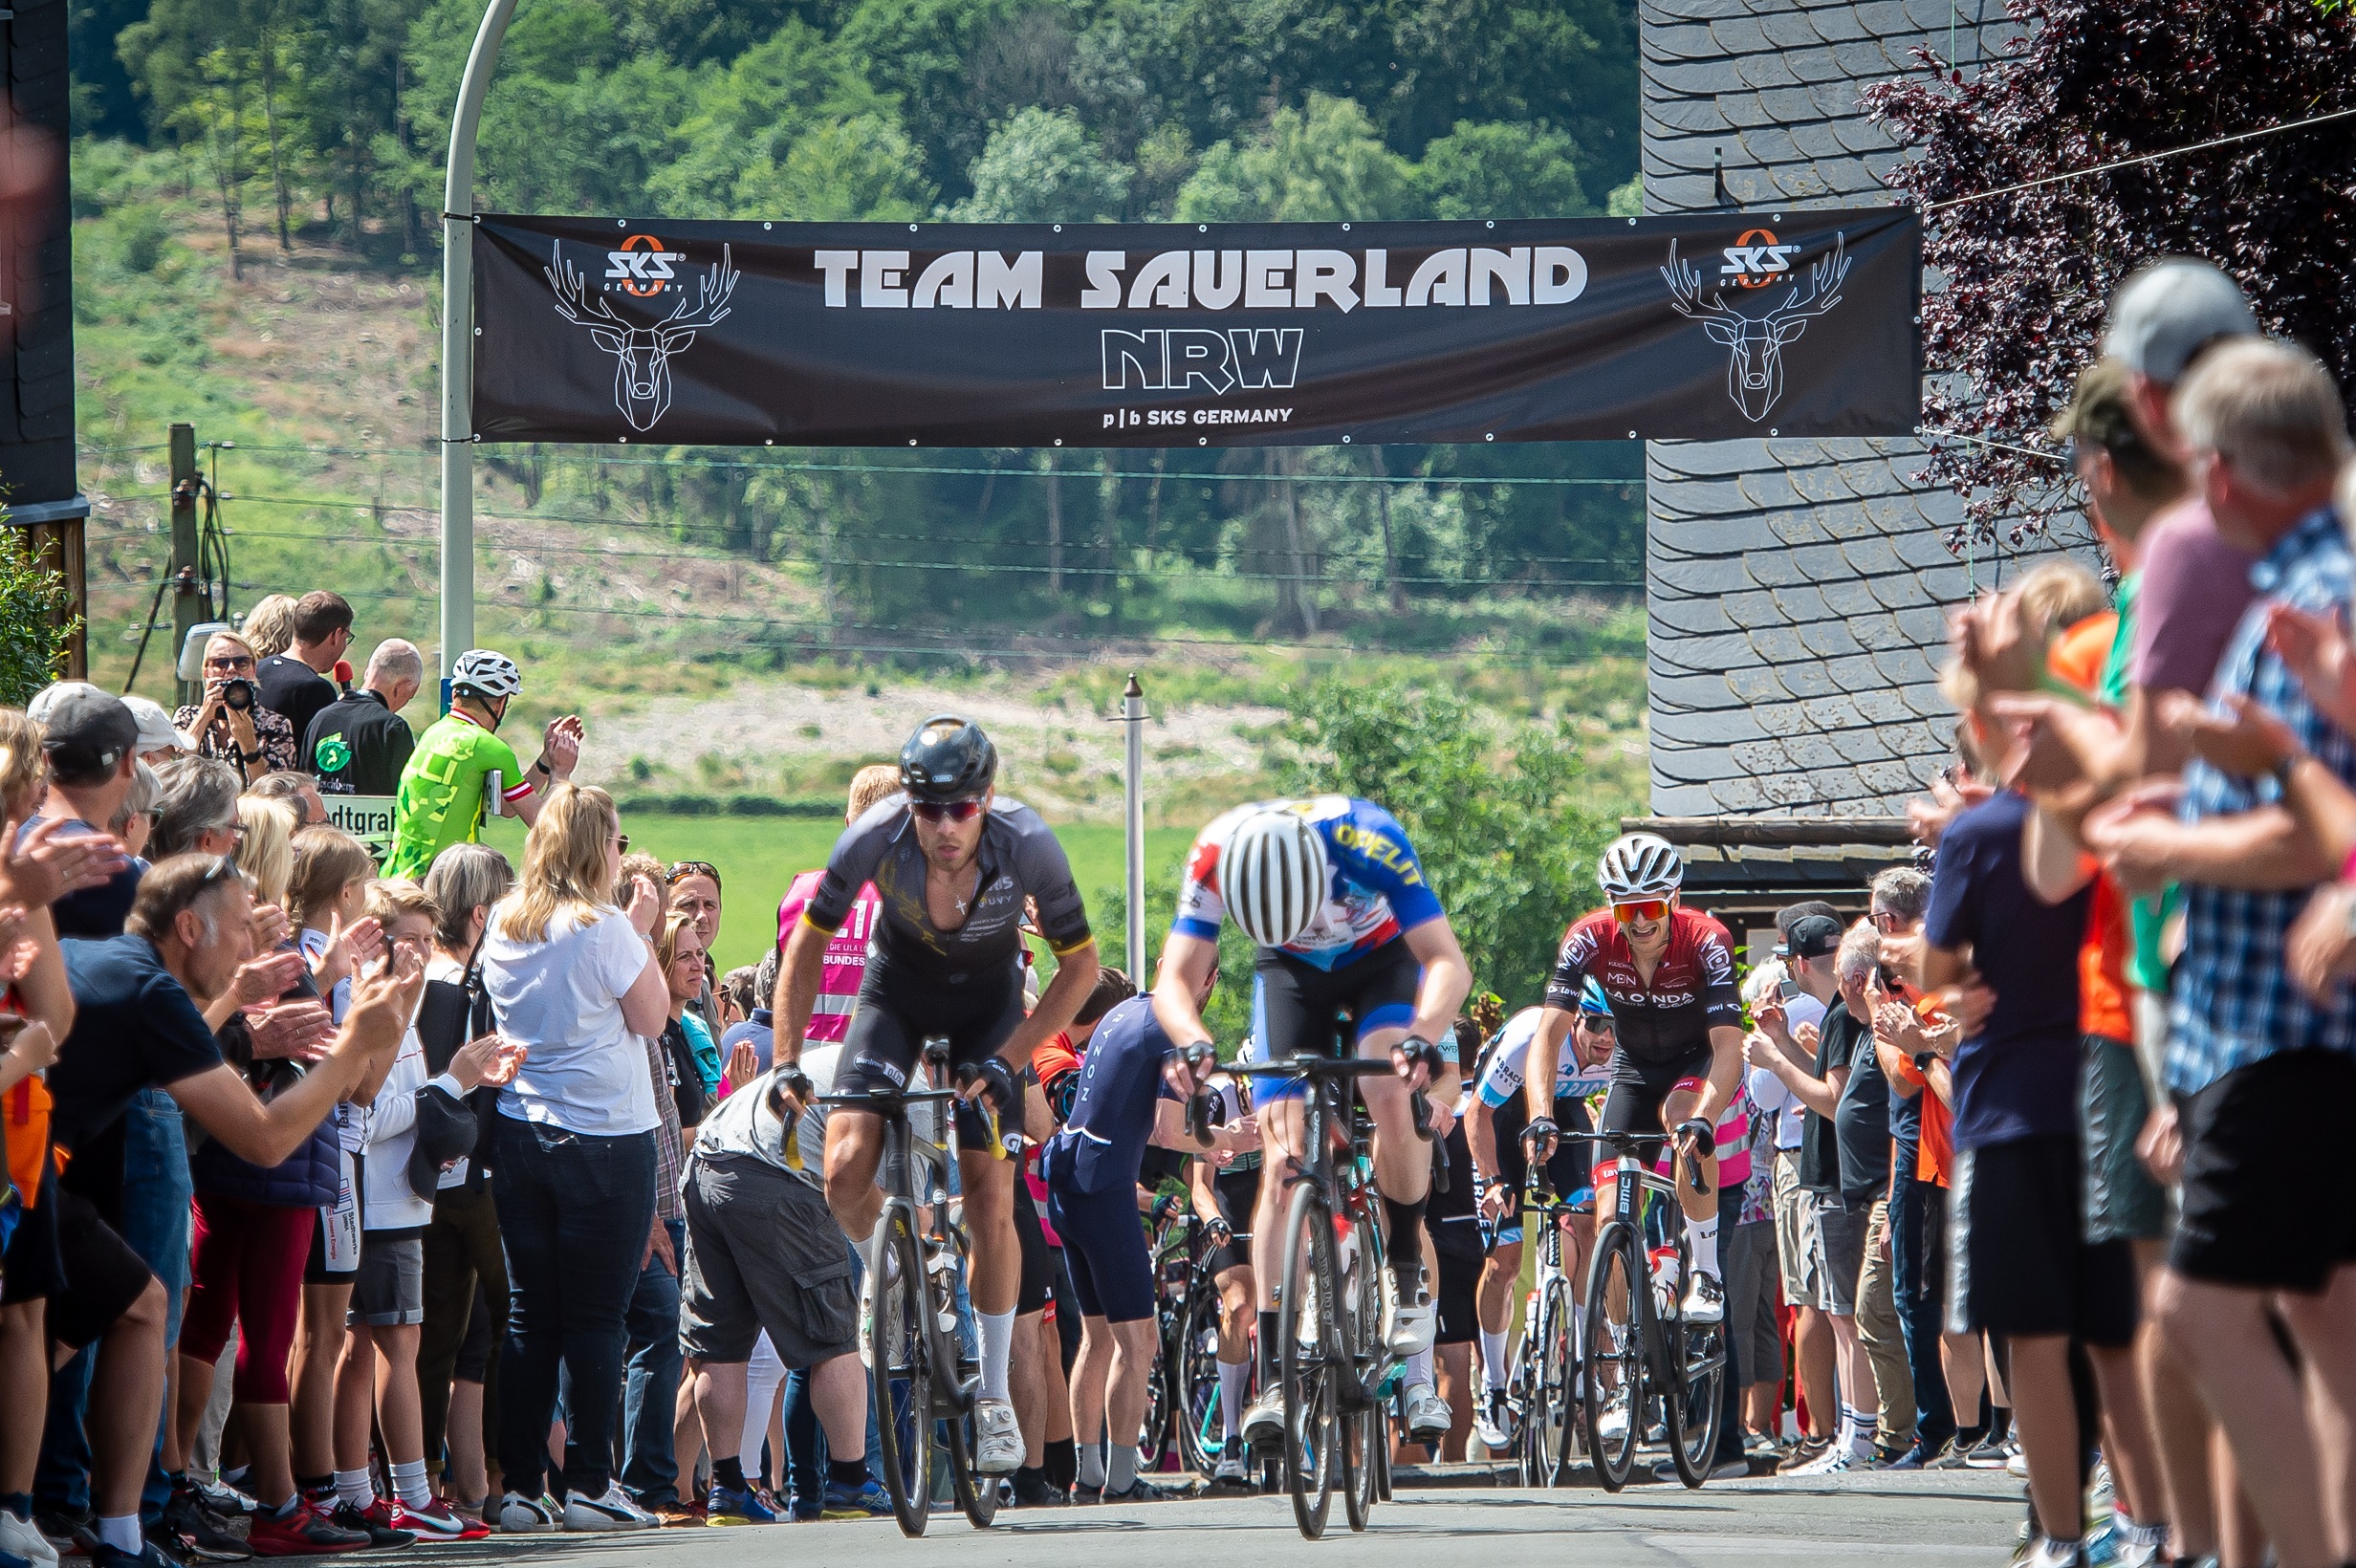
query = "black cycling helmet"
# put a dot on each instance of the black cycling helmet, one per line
(949, 758)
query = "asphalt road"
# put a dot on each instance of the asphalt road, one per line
(1940, 1520)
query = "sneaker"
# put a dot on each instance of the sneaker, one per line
(1955, 1456)
(1913, 1459)
(2102, 1546)
(436, 1521)
(148, 1555)
(1035, 1490)
(195, 1533)
(866, 1502)
(1429, 1417)
(614, 1511)
(1804, 1452)
(1989, 1454)
(998, 1439)
(2048, 1553)
(302, 1534)
(730, 1506)
(1141, 1490)
(1263, 1420)
(225, 1499)
(1493, 1422)
(1705, 1299)
(1725, 1469)
(19, 1538)
(1408, 1322)
(522, 1516)
(377, 1521)
(1762, 1446)
(1835, 1458)
(1232, 1468)
(63, 1528)
(671, 1513)
(2017, 1465)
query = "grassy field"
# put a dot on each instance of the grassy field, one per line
(760, 856)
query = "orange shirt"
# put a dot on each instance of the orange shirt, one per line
(2101, 967)
(2077, 655)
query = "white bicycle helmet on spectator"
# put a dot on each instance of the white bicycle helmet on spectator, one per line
(482, 673)
(1640, 865)
(1273, 876)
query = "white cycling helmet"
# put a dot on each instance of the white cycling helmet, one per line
(1274, 876)
(1640, 865)
(486, 675)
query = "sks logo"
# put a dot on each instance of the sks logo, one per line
(1754, 339)
(1756, 260)
(642, 267)
(643, 355)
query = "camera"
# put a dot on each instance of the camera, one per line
(238, 694)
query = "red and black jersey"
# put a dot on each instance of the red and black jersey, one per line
(1692, 988)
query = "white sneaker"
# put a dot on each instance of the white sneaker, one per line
(1429, 1417)
(2016, 1466)
(1831, 1462)
(1232, 1470)
(615, 1511)
(997, 1447)
(18, 1535)
(1263, 1420)
(1493, 1422)
(1407, 1325)
(522, 1516)
(1705, 1299)
(1615, 1423)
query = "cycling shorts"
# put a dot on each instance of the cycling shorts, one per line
(1238, 1193)
(1295, 1006)
(898, 1011)
(1038, 1260)
(1567, 1168)
(1640, 1087)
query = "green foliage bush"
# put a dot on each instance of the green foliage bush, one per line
(36, 624)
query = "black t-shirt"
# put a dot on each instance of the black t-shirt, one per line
(1820, 1146)
(134, 1027)
(293, 690)
(375, 746)
(93, 911)
(1862, 1125)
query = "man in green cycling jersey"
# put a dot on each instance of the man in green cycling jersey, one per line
(442, 792)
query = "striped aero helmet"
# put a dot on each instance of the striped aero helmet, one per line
(1640, 865)
(1273, 877)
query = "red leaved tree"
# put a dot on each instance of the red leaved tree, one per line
(2019, 280)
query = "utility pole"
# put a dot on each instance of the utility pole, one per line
(188, 599)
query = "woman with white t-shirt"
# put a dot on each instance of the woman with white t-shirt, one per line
(574, 981)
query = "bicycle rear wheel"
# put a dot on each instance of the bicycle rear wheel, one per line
(1195, 1397)
(1307, 1341)
(1554, 1378)
(900, 1350)
(1696, 1396)
(1619, 1303)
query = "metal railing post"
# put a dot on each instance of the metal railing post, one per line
(1133, 716)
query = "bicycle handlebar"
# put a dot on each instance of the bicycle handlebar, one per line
(1343, 1067)
(1624, 1143)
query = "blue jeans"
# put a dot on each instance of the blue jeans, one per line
(574, 1214)
(1917, 1299)
(650, 1473)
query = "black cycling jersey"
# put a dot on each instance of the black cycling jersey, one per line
(1020, 863)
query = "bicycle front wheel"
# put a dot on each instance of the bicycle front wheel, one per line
(1307, 1341)
(1619, 1303)
(1554, 1374)
(1362, 1416)
(898, 1347)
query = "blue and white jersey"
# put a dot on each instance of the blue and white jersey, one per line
(1507, 1066)
(1377, 891)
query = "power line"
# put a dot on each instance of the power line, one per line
(2144, 158)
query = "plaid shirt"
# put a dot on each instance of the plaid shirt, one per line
(669, 1151)
(2234, 1004)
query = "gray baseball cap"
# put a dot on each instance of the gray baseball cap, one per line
(2166, 314)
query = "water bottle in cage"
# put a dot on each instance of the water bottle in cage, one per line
(1665, 1271)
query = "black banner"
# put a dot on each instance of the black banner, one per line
(1179, 335)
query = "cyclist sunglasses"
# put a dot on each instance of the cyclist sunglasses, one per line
(1595, 1023)
(1640, 910)
(947, 811)
(683, 869)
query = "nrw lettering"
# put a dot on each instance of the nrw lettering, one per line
(1199, 359)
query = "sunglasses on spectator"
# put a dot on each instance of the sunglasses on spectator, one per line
(947, 811)
(681, 870)
(622, 843)
(1888, 922)
(234, 661)
(1640, 910)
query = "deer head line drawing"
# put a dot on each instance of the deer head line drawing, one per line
(642, 355)
(1754, 343)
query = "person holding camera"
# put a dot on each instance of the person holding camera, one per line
(231, 722)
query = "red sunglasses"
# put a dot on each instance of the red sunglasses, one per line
(1640, 910)
(947, 811)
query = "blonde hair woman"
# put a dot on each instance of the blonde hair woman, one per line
(573, 980)
(267, 857)
(270, 625)
(231, 722)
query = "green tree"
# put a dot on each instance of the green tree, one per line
(37, 624)
(1323, 164)
(1040, 167)
(1495, 814)
(1501, 171)
(864, 167)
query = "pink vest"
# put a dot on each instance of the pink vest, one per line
(846, 955)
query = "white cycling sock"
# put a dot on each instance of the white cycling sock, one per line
(1120, 1470)
(353, 1487)
(1418, 1373)
(409, 1484)
(997, 1344)
(1232, 1381)
(1494, 1369)
(1092, 1465)
(1703, 1234)
(120, 1531)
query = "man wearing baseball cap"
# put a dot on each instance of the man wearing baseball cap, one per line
(92, 744)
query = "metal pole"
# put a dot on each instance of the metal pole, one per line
(1133, 715)
(458, 345)
(188, 603)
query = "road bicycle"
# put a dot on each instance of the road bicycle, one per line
(1191, 1354)
(1545, 1379)
(1331, 1362)
(908, 1335)
(1639, 1348)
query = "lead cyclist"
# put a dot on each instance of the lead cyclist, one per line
(1331, 893)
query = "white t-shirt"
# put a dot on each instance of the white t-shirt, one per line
(1769, 1092)
(562, 1000)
